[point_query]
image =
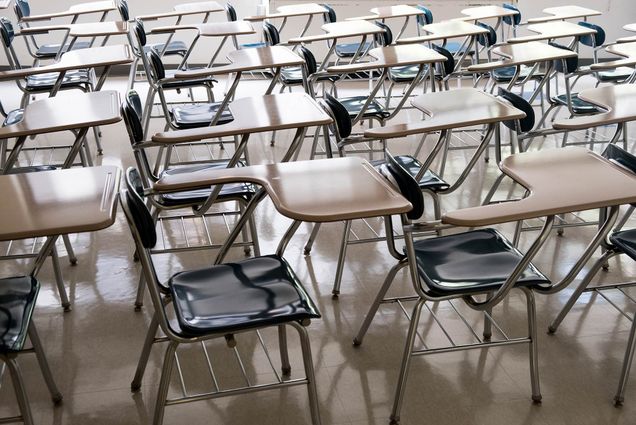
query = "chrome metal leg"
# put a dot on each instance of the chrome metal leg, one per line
(377, 301)
(98, 140)
(488, 322)
(56, 396)
(59, 280)
(164, 385)
(534, 352)
(341, 259)
(245, 232)
(254, 234)
(309, 373)
(139, 299)
(406, 362)
(312, 238)
(69, 250)
(627, 365)
(20, 392)
(145, 353)
(284, 353)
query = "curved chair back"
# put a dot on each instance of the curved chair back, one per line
(384, 38)
(137, 212)
(230, 13)
(593, 40)
(525, 124)
(124, 10)
(6, 31)
(131, 112)
(425, 18)
(571, 64)
(21, 9)
(406, 184)
(513, 20)
(139, 35)
(330, 15)
(272, 37)
(310, 60)
(340, 115)
(488, 39)
(448, 66)
(155, 65)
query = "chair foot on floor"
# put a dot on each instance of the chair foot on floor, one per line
(357, 342)
(618, 401)
(536, 399)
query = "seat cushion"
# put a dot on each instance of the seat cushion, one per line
(626, 242)
(197, 197)
(198, 115)
(252, 293)
(46, 82)
(50, 50)
(354, 106)
(579, 106)
(471, 262)
(429, 181)
(174, 48)
(348, 50)
(618, 74)
(505, 75)
(17, 300)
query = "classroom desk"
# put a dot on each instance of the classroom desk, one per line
(95, 57)
(308, 10)
(626, 50)
(185, 9)
(256, 115)
(388, 12)
(481, 13)
(208, 29)
(5, 4)
(560, 13)
(59, 202)
(73, 111)
(554, 30)
(102, 7)
(531, 54)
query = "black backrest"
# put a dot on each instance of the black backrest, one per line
(525, 124)
(488, 39)
(384, 38)
(310, 60)
(272, 37)
(230, 12)
(571, 64)
(449, 64)
(340, 115)
(425, 18)
(139, 214)
(7, 31)
(140, 32)
(21, 9)
(621, 157)
(593, 40)
(131, 112)
(329, 16)
(157, 69)
(514, 19)
(124, 10)
(407, 185)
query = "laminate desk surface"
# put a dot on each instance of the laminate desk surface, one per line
(523, 54)
(185, 9)
(77, 9)
(553, 30)
(486, 12)
(341, 29)
(627, 50)
(291, 10)
(58, 202)
(387, 12)
(391, 56)
(324, 190)
(560, 13)
(5, 4)
(618, 101)
(630, 27)
(255, 115)
(444, 30)
(458, 108)
(248, 60)
(77, 59)
(71, 111)
(559, 181)
(210, 29)
(92, 29)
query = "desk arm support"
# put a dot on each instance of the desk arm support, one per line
(502, 292)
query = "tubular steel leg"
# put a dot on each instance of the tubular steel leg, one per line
(20, 392)
(488, 323)
(309, 373)
(56, 396)
(627, 365)
(135, 385)
(534, 352)
(377, 301)
(139, 299)
(341, 259)
(312, 238)
(69, 250)
(284, 352)
(59, 280)
(164, 385)
(406, 362)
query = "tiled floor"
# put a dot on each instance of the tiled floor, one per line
(93, 349)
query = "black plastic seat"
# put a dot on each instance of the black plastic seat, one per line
(198, 115)
(72, 79)
(49, 51)
(618, 74)
(404, 74)
(348, 50)
(471, 262)
(579, 106)
(253, 293)
(429, 181)
(31, 169)
(505, 75)
(626, 242)
(17, 301)
(174, 48)
(354, 105)
(13, 117)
